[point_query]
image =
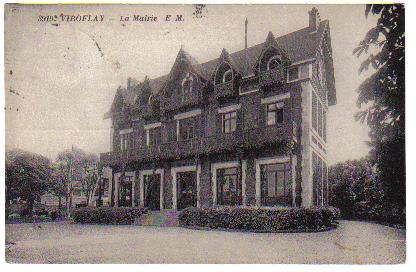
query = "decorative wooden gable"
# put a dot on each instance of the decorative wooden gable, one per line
(224, 76)
(184, 83)
(271, 63)
(183, 72)
(225, 64)
(271, 50)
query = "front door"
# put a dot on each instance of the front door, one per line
(125, 192)
(152, 191)
(186, 188)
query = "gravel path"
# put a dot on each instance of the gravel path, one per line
(352, 242)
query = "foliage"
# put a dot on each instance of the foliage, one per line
(78, 166)
(260, 219)
(107, 215)
(383, 94)
(27, 176)
(355, 189)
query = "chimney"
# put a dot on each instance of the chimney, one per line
(245, 38)
(129, 83)
(314, 19)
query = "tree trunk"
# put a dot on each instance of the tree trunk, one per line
(59, 204)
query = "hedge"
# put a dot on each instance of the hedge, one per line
(260, 219)
(107, 215)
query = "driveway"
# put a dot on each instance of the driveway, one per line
(351, 243)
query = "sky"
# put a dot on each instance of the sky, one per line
(61, 77)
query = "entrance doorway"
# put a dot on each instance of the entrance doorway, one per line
(186, 189)
(125, 193)
(151, 185)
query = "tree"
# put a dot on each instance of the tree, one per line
(59, 182)
(90, 176)
(383, 95)
(76, 165)
(27, 176)
(356, 191)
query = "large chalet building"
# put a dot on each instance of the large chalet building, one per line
(248, 128)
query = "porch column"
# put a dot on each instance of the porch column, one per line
(116, 188)
(174, 191)
(110, 186)
(133, 190)
(198, 187)
(243, 181)
(141, 189)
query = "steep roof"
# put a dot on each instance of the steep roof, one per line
(299, 45)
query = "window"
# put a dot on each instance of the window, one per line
(293, 73)
(229, 190)
(229, 122)
(304, 71)
(276, 185)
(124, 141)
(320, 180)
(325, 182)
(274, 113)
(273, 63)
(228, 76)
(187, 129)
(187, 83)
(318, 116)
(314, 112)
(154, 136)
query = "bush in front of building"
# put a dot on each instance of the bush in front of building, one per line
(107, 215)
(260, 219)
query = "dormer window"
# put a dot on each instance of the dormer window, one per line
(187, 84)
(228, 76)
(224, 74)
(274, 62)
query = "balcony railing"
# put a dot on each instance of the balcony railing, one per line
(272, 76)
(223, 90)
(238, 140)
(146, 111)
(178, 101)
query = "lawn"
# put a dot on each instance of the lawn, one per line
(63, 242)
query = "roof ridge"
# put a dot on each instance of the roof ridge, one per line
(235, 53)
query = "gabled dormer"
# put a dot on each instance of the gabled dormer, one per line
(146, 103)
(184, 83)
(225, 76)
(271, 63)
(120, 111)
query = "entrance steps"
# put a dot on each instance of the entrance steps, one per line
(159, 219)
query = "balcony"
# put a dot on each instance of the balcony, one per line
(245, 139)
(272, 76)
(177, 101)
(238, 140)
(223, 90)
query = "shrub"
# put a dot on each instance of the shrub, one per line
(260, 219)
(358, 191)
(107, 215)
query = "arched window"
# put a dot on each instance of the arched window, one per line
(273, 63)
(187, 83)
(228, 76)
(223, 73)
